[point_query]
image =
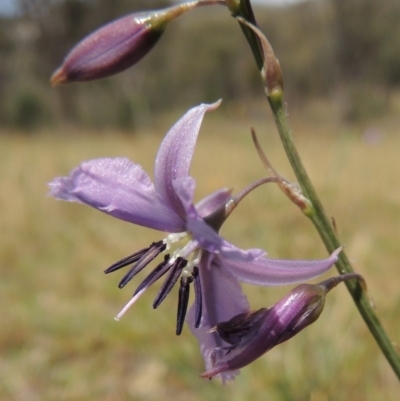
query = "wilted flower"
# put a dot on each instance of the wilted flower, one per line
(124, 190)
(249, 335)
(119, 44)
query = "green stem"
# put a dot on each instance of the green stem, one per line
(243, 9)
(328, 236)
(316, 213)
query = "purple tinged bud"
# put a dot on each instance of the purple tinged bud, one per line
(252, 334)
(117, 45)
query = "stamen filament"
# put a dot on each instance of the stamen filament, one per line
(130, 303)
(195, 261)
(172, 238)
(159, 271)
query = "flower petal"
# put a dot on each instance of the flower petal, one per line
(119, 188)
(213, 202)
(204, 235)
(229, 253)
(175, 154)
(269, 272)
(219, 304)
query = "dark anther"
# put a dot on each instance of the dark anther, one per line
(127, 261)
(155, 274)
(198, 303)
(139, 259)
(183, 301)
(170, 281)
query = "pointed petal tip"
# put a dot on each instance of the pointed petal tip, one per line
(336, 252)
(206, 375)
(60, 189)
(59, 77)
(212, 372)
(213, 106)
(220, 371)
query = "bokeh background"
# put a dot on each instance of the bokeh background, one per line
(341, 64)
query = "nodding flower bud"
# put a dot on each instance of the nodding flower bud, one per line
(118, 45)
(252, 334)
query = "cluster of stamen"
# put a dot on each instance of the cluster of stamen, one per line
(176, 266)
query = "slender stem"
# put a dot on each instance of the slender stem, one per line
(328, 236)
(239, 197)
(216, 219)
(243, 8)
(332, 282)
(316, 213)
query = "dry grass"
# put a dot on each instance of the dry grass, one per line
(58, 339)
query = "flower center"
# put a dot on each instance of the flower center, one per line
(176, 264)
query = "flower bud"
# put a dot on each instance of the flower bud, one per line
(252, 334)
(117, 45)
(271, 73)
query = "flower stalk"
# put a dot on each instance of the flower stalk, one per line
(242, 8)
(316, 211)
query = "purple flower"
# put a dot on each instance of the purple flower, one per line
(249, 335)
(124, 190)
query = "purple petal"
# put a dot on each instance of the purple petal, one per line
(200, 230)
(270, 272)
(214, 201)
(230, 253)
(219, 304)
(175, 154)
(119, 188)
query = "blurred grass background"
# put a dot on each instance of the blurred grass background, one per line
(58, 339)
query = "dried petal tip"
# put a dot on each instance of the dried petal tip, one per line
(59, 77)
(252, 334)
(116, 46)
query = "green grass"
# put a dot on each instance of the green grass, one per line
(58, 339)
